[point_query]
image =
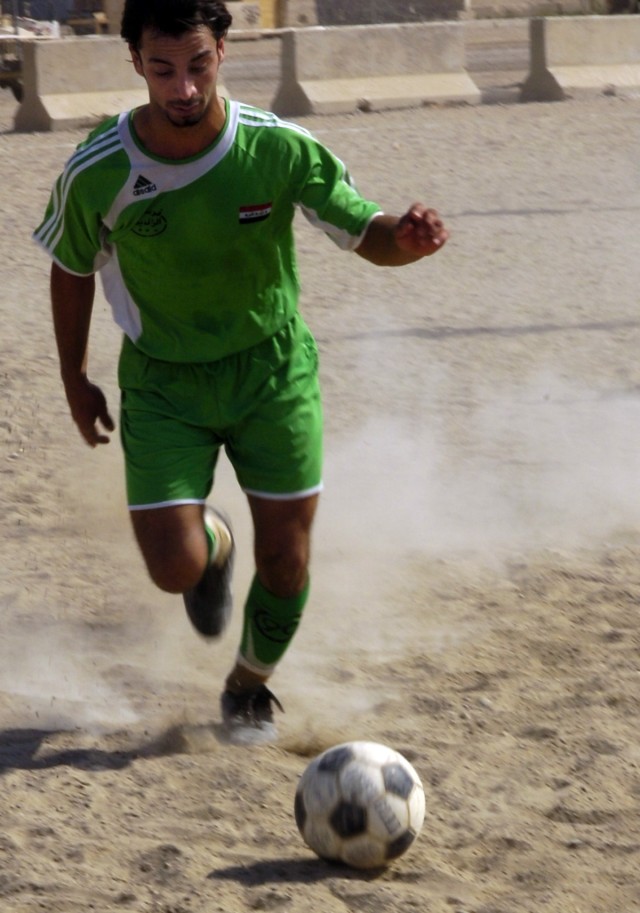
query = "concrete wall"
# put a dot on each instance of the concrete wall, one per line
(584, 55)
(245, 15)
(339, 70)
(299, 13)
(367, 12)
(113, 11)
(499, 9)
(296, 13)
(76, 82)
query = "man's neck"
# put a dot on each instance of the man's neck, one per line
(160, 137)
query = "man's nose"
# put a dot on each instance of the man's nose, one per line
(185, 86)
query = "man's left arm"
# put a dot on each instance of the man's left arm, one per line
(396, 241)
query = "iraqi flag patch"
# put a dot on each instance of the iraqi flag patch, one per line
(256, 213)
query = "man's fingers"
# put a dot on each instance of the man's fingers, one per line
(89, 430)
(421, 230)
(92, 436)
(89, 411)
(423, 223)
(106, 420)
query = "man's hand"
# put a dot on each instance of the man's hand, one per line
(393, 241)
(420, 231)
(88, 407)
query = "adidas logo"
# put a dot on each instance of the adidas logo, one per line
(143, 185)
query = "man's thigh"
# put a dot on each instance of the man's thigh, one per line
(167, 461)
(275, 445)
(262, 404)
(167, 430)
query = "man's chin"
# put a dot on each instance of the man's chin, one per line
(188, 119)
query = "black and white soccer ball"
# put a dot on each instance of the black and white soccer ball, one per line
(360, 803)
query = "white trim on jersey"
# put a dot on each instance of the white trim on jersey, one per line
(161, 176)
(256, 117)
(343, 239)
(53, 229)
(62, 266)
(126, 312)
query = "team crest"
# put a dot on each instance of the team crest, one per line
(152, 223)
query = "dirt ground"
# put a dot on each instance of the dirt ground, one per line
(476, 576)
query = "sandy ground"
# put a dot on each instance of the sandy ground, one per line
(476, 575)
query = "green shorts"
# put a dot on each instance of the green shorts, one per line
(263, 405)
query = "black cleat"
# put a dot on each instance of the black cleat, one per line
(248, 717)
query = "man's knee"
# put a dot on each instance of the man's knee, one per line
(171, 575)
(174, 551)
(284, 570)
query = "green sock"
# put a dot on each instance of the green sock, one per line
(211, 542)
(269, 625)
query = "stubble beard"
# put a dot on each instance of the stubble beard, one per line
(185, 120)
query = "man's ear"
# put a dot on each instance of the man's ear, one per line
(137, 61)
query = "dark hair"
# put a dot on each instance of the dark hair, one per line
(173, 17)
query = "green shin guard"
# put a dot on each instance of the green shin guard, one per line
(269, 626)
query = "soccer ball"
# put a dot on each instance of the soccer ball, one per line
(361, 803)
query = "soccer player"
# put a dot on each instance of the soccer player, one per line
(185, 207)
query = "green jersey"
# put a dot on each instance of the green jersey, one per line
(197, 256)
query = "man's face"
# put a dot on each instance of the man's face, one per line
(181, 73)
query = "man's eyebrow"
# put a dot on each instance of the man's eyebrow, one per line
(169, 63)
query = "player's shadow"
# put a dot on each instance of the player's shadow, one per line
(19, 749)
(27, 749)
(437, 333)
(288, 871)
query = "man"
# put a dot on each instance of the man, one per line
(185, 207)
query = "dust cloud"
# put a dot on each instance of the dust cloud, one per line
(408, 515)
(545, 465)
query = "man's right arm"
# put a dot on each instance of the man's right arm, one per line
(72, 305)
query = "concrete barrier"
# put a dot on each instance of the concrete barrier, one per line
(76, 82)
(498, 34)
(291, 14)
(377, 12)
(578, 56)
(245, 15)
(113, 11)
(339, 70)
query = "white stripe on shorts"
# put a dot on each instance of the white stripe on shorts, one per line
(167, 504)
(285, 496)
